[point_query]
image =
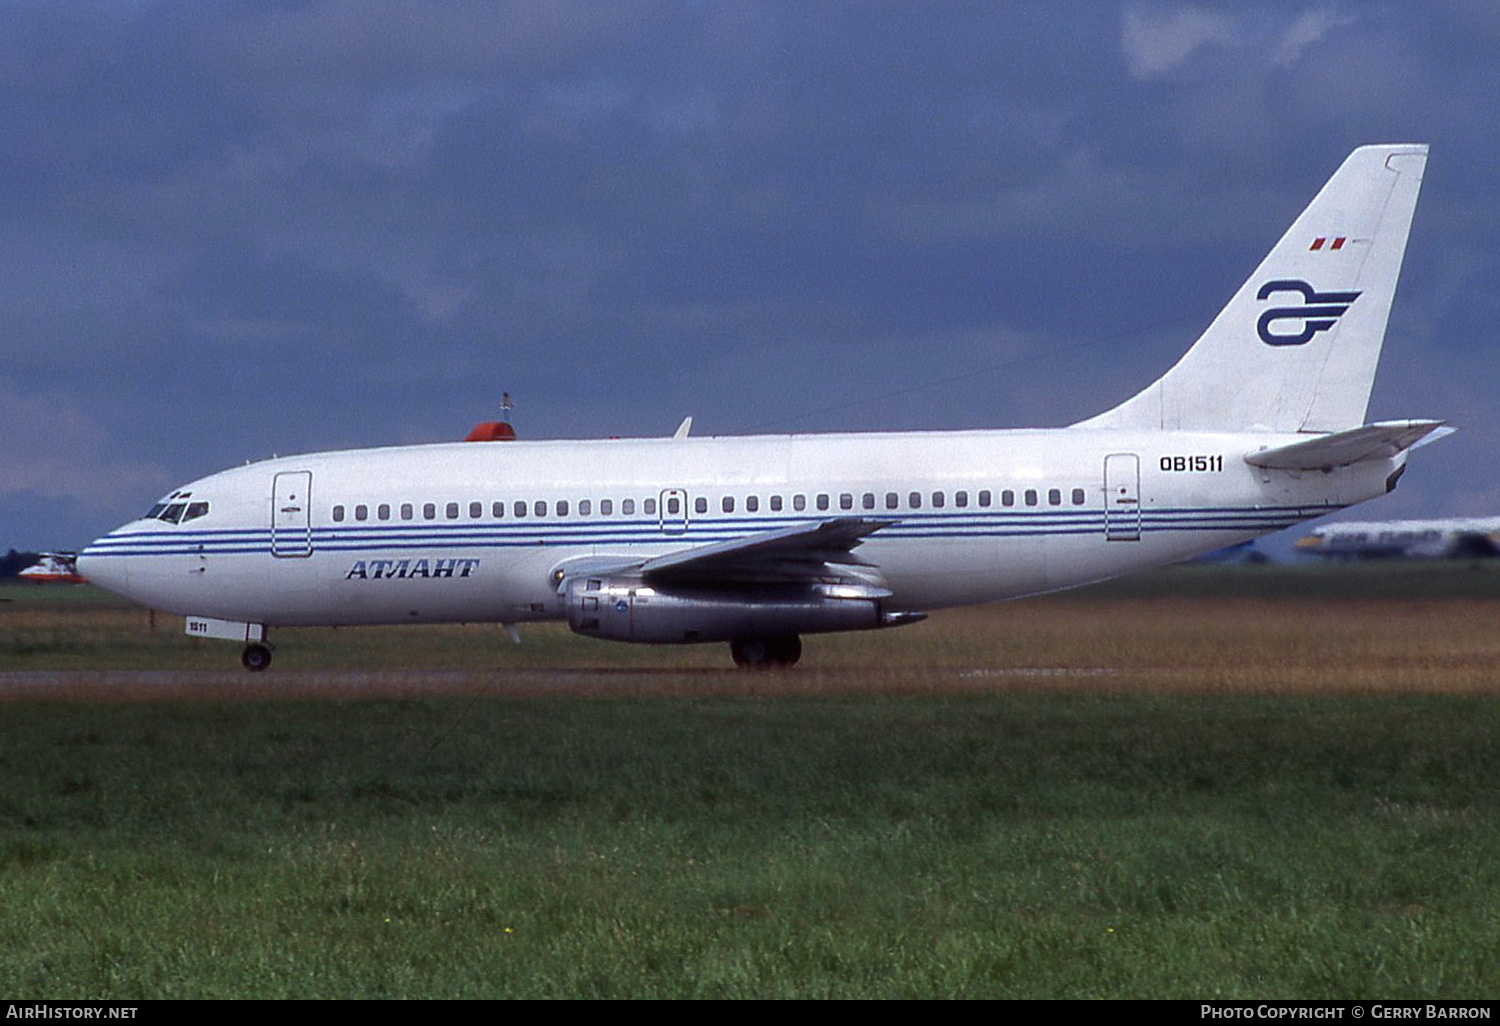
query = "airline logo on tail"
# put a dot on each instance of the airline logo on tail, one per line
(1319, 312)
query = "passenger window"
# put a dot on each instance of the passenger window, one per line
(799, 503)
(1054, 497)
(1031, 496)
(984, 498)
(938, 501)
(914, 500)
(562, 507)
(648, 507)
(519, 507)
(451, 511)
(752, 503)
(892, 500)
(429, 511)
(476, 510)
(775, 504)
(627, 507)
(383, 511)
(868, 500)
(497, 510)
(585, 507)
(822, 501)
(700, 505)
(727, 505)
(361, 512)
(338, 514)
(606, 507)
(539, 508)
(1078, 497)
(846, 501)
(406, 511)
(1007, 498)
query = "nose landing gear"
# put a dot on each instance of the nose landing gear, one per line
(256, 657)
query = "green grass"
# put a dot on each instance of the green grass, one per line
(1210, 784)
(875, 846)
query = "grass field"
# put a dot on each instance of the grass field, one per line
(1203, 783)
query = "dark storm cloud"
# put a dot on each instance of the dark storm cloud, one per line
(235, 228)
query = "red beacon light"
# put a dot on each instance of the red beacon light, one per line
(492, 431)
(495, 430)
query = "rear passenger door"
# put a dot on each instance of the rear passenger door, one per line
(1122, 497)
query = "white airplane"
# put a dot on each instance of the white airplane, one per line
(1447, 538)
(757, 540)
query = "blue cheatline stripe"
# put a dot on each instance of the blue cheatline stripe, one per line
(518, 534)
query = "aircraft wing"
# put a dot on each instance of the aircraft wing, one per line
(799, 554)
(1341, 448)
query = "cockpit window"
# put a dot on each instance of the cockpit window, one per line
(174, 511)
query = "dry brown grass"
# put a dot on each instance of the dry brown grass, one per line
(1168, 644)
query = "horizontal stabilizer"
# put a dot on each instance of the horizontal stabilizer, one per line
(1371, 442)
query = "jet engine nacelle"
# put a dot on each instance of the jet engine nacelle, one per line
(626, 609)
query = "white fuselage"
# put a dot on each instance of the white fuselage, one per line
(475, 531)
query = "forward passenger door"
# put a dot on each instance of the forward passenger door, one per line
(291, 514)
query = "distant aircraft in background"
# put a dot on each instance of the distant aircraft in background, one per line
(759, 540)
(1450, 538)
(1244, 554)
(54, 568)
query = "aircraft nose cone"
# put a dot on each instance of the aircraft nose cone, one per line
(98, 566)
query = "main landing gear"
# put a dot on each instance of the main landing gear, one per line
(256, 657)
(766, 653)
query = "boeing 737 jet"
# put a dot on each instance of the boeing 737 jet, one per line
(758, 540)
(1447, 538)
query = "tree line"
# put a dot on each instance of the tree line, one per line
(14, 562)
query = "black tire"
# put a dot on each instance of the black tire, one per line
(256, 658)
(766, 653)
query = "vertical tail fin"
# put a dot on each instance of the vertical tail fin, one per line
(1297, 346)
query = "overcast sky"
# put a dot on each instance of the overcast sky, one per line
(232, 229)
